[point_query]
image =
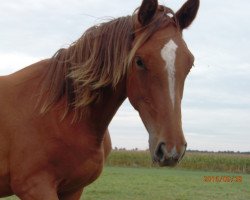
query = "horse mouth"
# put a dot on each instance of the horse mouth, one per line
(165, 158)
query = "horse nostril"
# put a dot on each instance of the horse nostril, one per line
(168, 158)
(159, 154)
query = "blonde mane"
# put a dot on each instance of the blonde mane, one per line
(100, 58)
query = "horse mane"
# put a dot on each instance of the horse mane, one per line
(99, 58)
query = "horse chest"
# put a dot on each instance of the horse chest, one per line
(80, 177)
(76, 166)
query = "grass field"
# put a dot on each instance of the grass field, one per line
(129, 175)
(237, 163)
(165, 184)
(117, 183)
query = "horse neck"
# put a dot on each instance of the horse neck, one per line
(98, 115)
(103, 111)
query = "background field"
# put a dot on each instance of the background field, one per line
(129, 175)
(164, 184)
(223, 162)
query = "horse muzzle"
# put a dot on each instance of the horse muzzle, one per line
(171, 158)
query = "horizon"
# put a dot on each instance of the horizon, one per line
(188, 150)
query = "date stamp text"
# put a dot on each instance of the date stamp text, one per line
(223, 179)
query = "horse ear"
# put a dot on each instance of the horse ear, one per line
(147, 11)
(187, 13)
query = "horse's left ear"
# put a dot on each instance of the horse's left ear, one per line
(147, 11)
(187, 13)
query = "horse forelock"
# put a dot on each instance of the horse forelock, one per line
(99, 58)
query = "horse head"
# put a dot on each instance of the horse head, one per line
(155, 80)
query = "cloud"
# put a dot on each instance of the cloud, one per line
(216, 104)
(127, 129)
(9, 63)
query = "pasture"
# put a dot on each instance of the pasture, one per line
(222, 162)
(118, 183)
(160, 184)
(129, 175)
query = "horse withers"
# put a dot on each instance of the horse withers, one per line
(55, 113)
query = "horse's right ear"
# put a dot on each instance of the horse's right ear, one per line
(187, 13)
(147, 11)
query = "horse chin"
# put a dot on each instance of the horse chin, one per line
(168, 163)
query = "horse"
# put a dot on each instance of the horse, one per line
(55, 113)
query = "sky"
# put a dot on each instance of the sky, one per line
(216, 103)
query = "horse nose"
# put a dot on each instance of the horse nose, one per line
(168, 158)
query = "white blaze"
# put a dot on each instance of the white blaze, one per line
(168, 54)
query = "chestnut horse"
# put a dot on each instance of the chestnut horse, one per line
(55, 113)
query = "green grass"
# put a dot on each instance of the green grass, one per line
(130, 175)
(118, 183)
(160, 184)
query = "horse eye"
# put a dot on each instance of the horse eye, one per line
(139, 62)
